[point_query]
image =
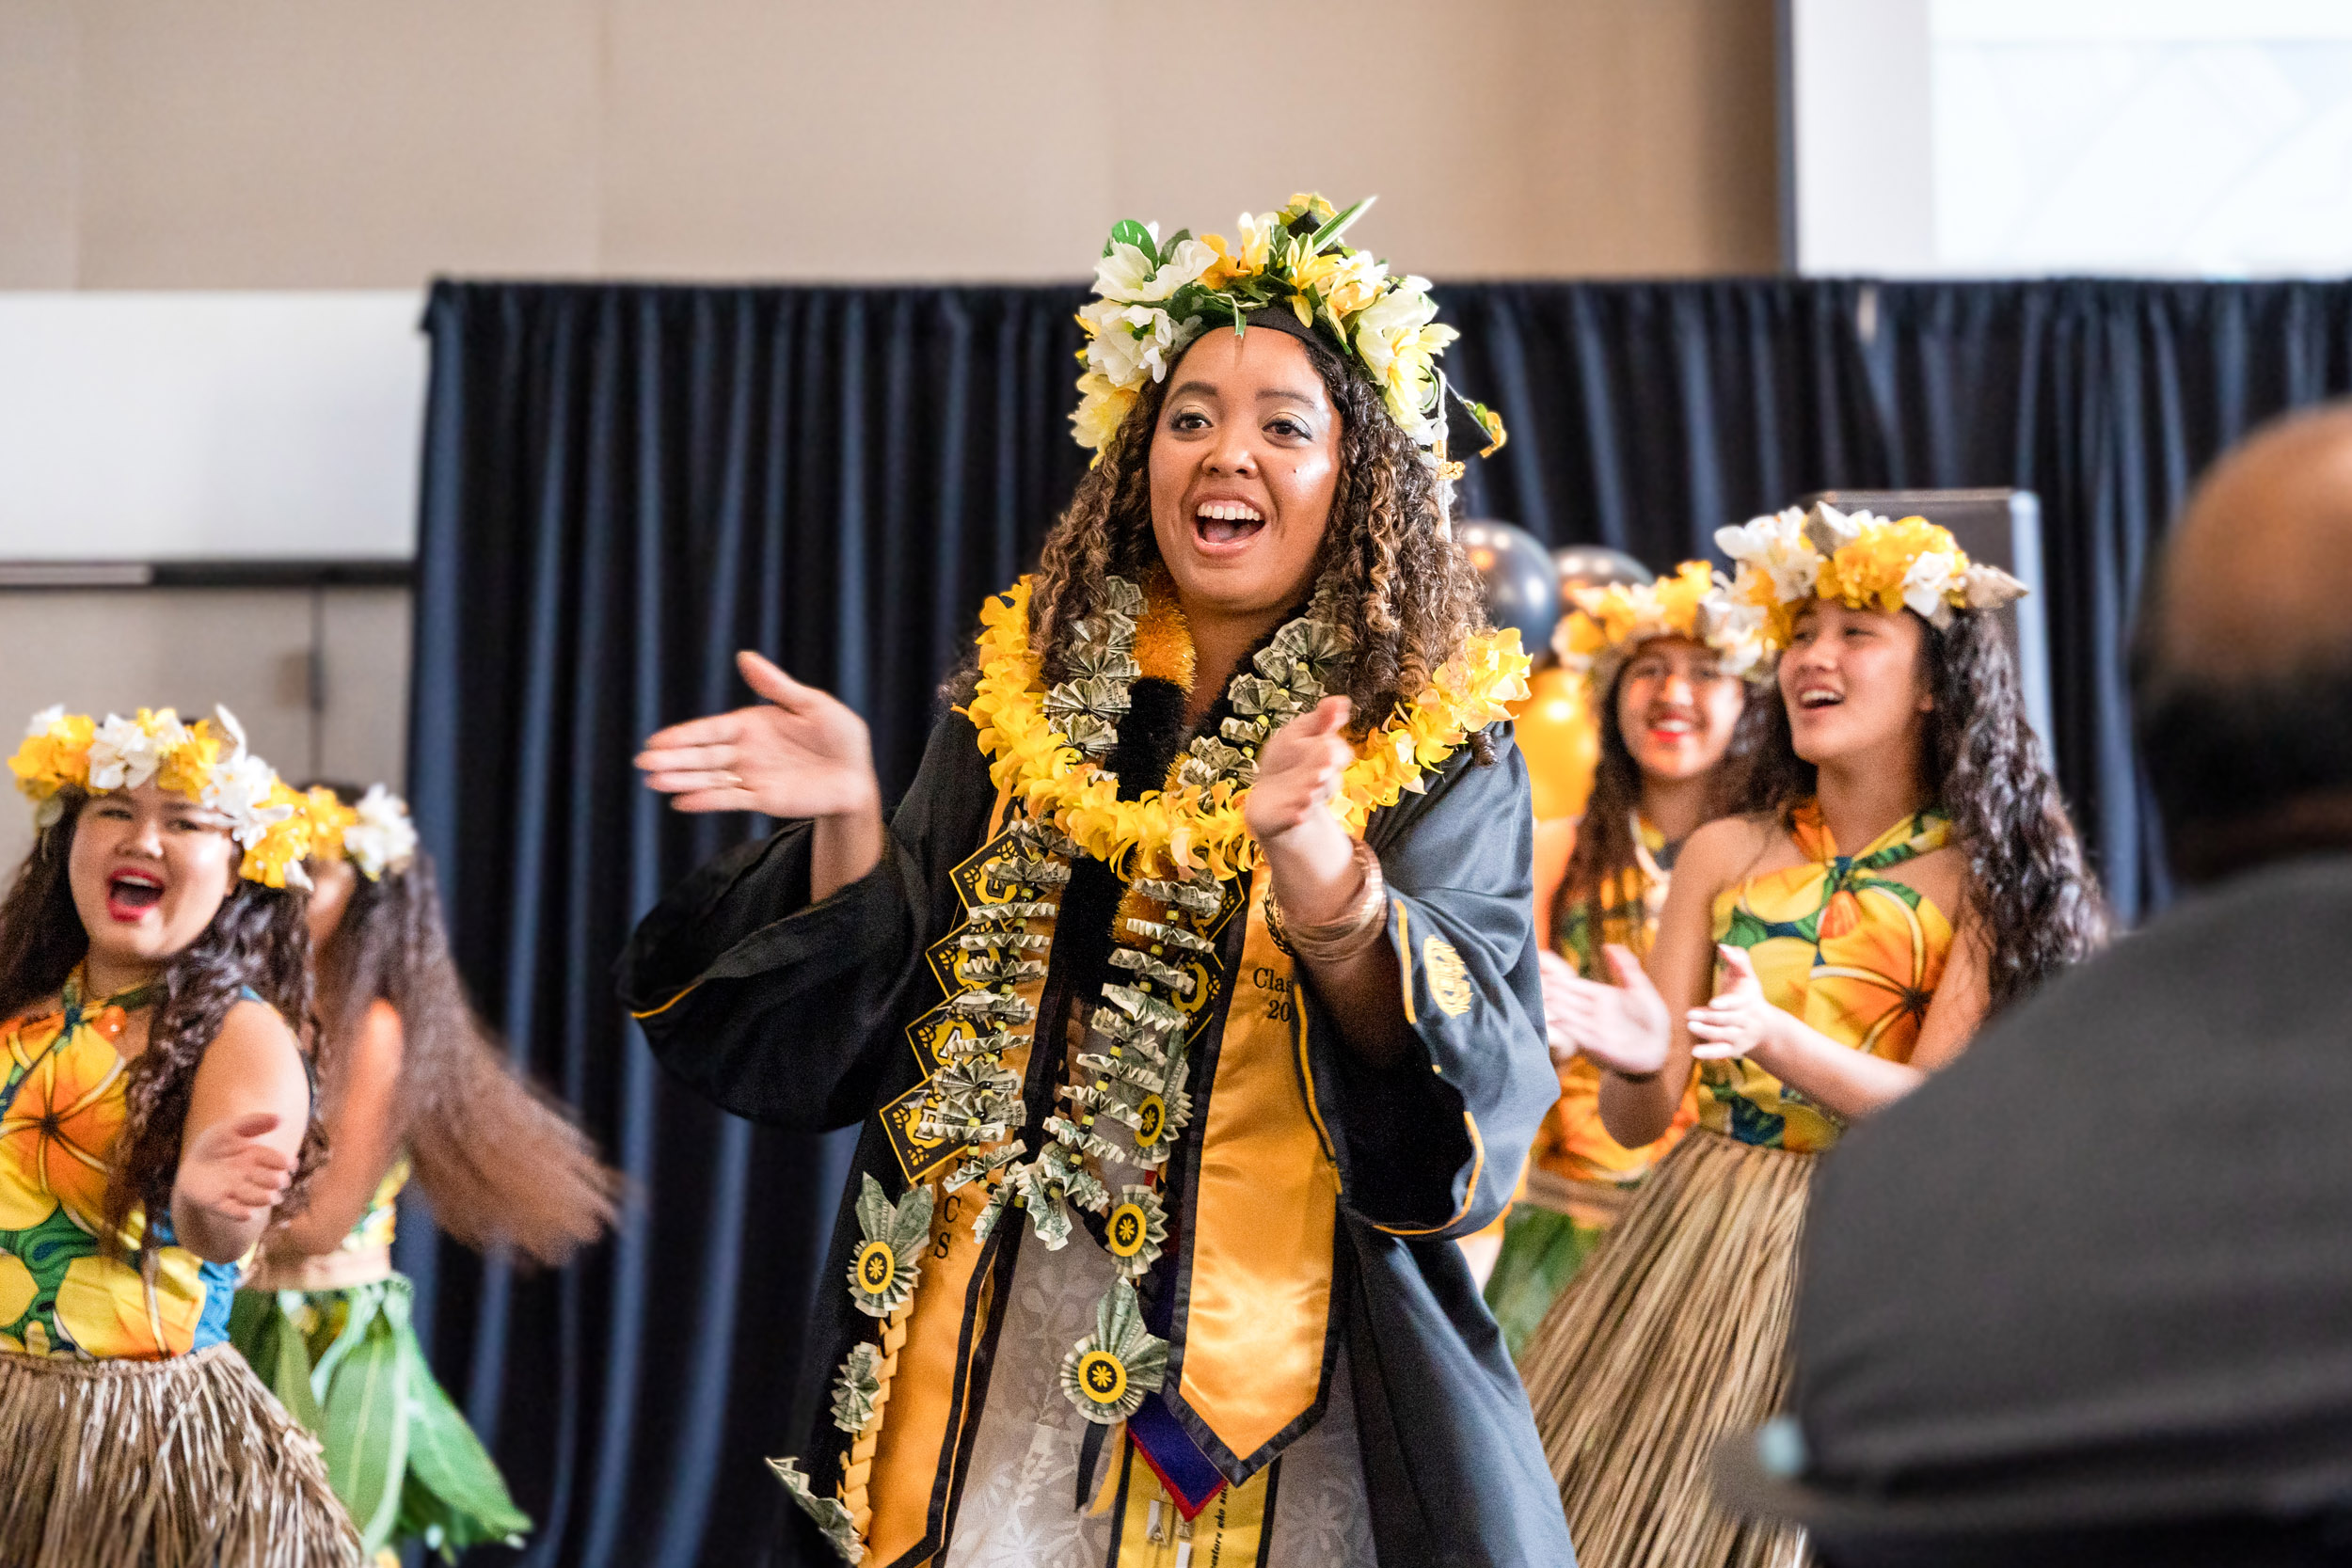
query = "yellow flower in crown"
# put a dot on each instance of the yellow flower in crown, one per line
(376, 836)
(205, 761)
(55, 752)
(1609, 624)
(1154, 296)
(1859, 560)
(1247, 255)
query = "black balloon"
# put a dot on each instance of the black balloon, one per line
(1594, 566)
(1516, 570)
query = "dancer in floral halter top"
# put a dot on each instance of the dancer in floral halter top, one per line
(154, 1118)
(1903, 867)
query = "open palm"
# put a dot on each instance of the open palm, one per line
(1625, 1027)
(799, 753)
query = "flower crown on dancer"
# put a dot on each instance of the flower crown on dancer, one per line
(1609, 623)
(71, 750)
(1157, 298)
(1859, 560)
(374, 833)
(146, 1173)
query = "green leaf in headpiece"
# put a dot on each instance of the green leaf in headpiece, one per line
(1338, 226)
(1128, 231)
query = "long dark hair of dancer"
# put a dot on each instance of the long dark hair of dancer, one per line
(2029, 891)
(499, 1161)
(258, 937)
(1604, 837)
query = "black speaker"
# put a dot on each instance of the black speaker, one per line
(2000, 528)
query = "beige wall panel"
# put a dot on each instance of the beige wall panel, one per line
(363, 729)
(371, 143)
(101, 650)
(1653, 145)
(39, 89)
(884, 140)
(302, 144)
(1252, 103)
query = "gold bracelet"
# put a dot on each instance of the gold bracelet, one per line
(1336, 940)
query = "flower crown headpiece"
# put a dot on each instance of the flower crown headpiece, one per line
(1609, 623)
(375, 835)
(1861, 560)
(208, 765)
(1157, 297)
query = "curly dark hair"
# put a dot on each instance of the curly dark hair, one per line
(258, 937)
(1394, 584)
(2029, 891)
(500, 1161)
(1604, 837)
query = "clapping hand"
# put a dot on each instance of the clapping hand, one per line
(799, 753)
(1625, 1027)
(1298, 772)
(230, 1174)
(1739, 1021)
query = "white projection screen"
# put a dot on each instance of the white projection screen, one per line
(2192, 138)
(212, 426)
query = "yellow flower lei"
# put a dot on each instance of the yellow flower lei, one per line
(1185, 828)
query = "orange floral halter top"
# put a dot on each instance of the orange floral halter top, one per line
(61, 1110)
(1851, 951)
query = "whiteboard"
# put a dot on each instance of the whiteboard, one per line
(216, 426)
(2196, 138)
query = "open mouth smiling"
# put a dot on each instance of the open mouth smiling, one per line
(1226, 523)
(130, 894)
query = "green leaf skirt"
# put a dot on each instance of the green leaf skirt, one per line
(1542, 1250)
(348, 1364)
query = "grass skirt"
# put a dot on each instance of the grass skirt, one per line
(1672, 1338)
(186, 1463)
(399, 1454)
(1553, 1228)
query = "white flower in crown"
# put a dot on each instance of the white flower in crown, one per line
(1126, 342)
(1734, 629)
(1126, 274)
(47, 720)
(1398, 339)
(1931, 576)
(124, 753)
(383, 838)
(240, 790)
(242, 785)
(1773, 551)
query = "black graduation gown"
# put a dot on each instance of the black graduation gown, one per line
(795, 1015)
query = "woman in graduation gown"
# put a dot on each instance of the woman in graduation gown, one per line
(1188, 1000)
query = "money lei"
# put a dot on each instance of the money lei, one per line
(1138, 1080)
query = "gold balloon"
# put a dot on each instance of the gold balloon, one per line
(1560, 741)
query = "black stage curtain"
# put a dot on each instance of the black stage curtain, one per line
(622, 485)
